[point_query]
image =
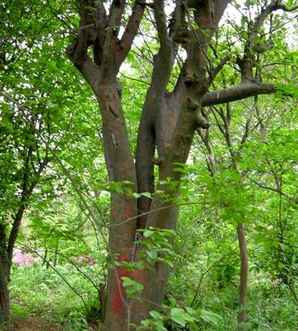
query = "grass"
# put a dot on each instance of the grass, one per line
(37, 292)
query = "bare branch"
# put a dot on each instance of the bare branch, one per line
(161, 22)
(235, 93)
(131, 29)
(276, 190)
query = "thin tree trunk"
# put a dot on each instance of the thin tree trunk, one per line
(6, 253)
(242, 316)
(4, 294)
(56, 254)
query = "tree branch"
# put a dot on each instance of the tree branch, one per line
(87, 35)
(235, 93)
(161, 22)
(131, 29)
(251, 48)
(27, 190)
(215, 71)
(276, 190)
(116, 13)
(77, 53)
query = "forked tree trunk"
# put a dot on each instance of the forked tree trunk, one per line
(122, 313)
(167, 126)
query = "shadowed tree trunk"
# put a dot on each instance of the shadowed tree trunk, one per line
(4, 297)
(167, 126)
(4, 277)
(6, 254)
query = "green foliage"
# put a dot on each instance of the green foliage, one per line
(47, 113)
(41, 292)
(158, 245)
(132, 287)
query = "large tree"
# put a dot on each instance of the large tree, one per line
(169, 120)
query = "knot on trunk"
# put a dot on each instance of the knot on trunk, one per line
(201, 120)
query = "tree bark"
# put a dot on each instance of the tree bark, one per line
(4, 291)
(242, 316)
(167, 126)
(4, 300)
(121, 171)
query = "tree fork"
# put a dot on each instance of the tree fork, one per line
(167, 126)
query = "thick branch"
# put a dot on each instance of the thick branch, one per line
(235, 93)
(193, 74)
(131, 29)
(77, 53)
(111, 37)
(161, 22)
(151, 125)
(90, 22)
(116, 13)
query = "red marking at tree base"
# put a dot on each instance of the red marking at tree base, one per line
(118, 293)
(117, 301)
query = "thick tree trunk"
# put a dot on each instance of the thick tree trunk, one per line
(122, 228)
(122, 313)
(168, 123)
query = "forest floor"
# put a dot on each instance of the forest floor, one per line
(36, 324)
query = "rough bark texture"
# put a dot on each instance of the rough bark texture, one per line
(167, 126)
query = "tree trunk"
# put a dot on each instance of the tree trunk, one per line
(242, 316)
(4, 294)
(122, 313)
(168, 123)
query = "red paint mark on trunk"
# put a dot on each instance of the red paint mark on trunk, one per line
(139, 276)
(118, 297)
(117, 301)
(128, 211)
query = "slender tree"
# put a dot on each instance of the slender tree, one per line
(23, 160)
(31, 124)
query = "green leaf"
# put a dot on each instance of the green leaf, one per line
(210, 317)
(132, 287)
(180, 316)
(155, 314)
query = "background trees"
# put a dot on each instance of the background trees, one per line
(179, 68)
